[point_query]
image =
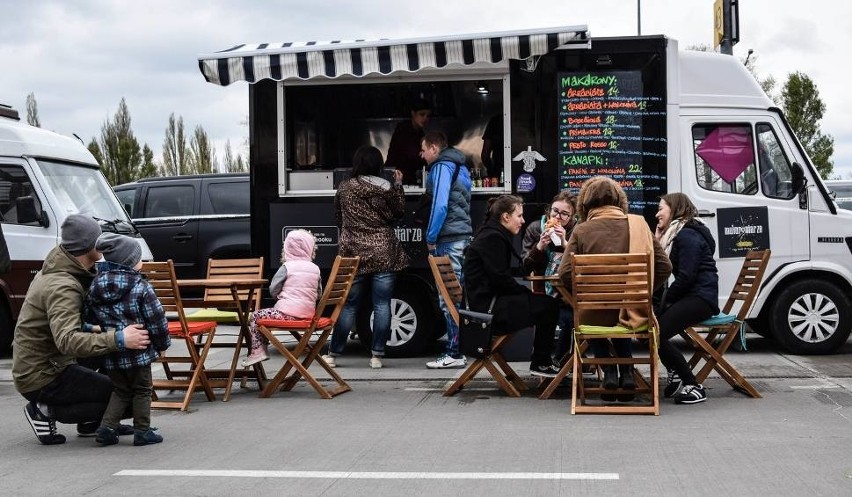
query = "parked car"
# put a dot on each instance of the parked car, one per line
(842, 189)
(192, 218)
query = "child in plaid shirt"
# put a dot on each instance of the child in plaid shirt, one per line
(119, 296)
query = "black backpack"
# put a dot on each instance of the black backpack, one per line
(423, 210)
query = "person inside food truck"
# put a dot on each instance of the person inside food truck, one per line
(404, 150)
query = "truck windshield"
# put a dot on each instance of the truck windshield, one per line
(84, 189)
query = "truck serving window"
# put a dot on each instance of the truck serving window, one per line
(724, 158)
(325, 124)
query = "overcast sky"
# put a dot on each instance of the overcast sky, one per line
(80, 58)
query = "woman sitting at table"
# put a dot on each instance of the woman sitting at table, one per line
(694, 294)
(488, 274)
(544, 244)
(606, 228)
(297, 285)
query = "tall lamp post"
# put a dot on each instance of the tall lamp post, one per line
(639, 17)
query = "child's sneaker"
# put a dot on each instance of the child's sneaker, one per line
(146, 437)
(106, 436)
(375, 363)
(255, 357)
(43, 425)
(329, 359)
(691, 394)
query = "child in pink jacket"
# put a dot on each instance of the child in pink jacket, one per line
(297, 286)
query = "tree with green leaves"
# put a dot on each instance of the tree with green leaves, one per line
(176, 155)
(233, 164)
(202, 153)
(117, 151)
(804, 110)
(32, 111)
(149, 166)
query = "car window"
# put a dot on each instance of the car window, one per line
(15, 184)
(229, 198)
(843, 195)
(724, 158)
(169, 201)
(127, 198)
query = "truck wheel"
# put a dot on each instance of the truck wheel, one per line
(811, 317)
(7, 330)
(412, 323)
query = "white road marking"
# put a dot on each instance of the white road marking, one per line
(366, 475)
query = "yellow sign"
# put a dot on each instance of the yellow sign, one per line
(718, 23)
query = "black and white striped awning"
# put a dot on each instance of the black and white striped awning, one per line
(283, 61)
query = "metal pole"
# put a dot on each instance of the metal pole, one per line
(639, 17)
(727, 46)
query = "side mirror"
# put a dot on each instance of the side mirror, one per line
(27, 212)
(798, 180)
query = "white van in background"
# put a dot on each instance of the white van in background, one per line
(44, 177)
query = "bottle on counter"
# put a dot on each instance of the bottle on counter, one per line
(502, 179)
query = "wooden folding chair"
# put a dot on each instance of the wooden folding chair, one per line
(614, 282)
(220, 302)
(721, 330)
(451, 292)
(161, 275)
(318, 329)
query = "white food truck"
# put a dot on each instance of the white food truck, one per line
(568, 106)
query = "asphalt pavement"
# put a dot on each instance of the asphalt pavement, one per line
(395, 434)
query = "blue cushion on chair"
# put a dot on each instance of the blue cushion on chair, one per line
(718, 320)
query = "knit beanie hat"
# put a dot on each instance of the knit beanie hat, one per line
(119, 249)
(79, 233)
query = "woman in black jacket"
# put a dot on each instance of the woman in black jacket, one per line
(694, 294)
(488, 274)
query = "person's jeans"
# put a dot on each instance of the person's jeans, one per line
(382, 290)
(77, 395)
(455, 251)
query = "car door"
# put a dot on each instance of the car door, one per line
(168, 223)
(737, 171)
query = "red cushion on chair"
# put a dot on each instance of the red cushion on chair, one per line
(194, 327)
(295, 325)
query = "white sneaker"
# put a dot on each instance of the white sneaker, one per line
(375, 363)
(329, 359)
(256, 357)
(446, 362)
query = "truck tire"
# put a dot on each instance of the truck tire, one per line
(412, 322)
(7, 330)
(811, 317)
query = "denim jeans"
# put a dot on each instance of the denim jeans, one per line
(455, 251)
(382, 290)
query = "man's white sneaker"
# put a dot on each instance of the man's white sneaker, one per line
(329, 359)
(446, 362)
(375, 363)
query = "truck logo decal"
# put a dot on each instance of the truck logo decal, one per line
(324, 235)
(742, 229)
(529, 156)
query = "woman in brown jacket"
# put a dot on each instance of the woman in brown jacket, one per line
(605, 229)
(366, 207)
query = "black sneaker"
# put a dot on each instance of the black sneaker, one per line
(106, 436)
(87, 430)
(544, 370)
(43, 426)
(146, 437)
(673, 384)
(691, 394)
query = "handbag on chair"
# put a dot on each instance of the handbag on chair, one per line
(475, 331)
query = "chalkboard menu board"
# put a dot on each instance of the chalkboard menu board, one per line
(611, 125)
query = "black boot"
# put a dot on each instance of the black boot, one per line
(610, 382)
(626, 382)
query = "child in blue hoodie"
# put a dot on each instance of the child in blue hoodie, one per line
(120, 295)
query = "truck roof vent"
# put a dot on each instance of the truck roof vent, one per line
(8, 111)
